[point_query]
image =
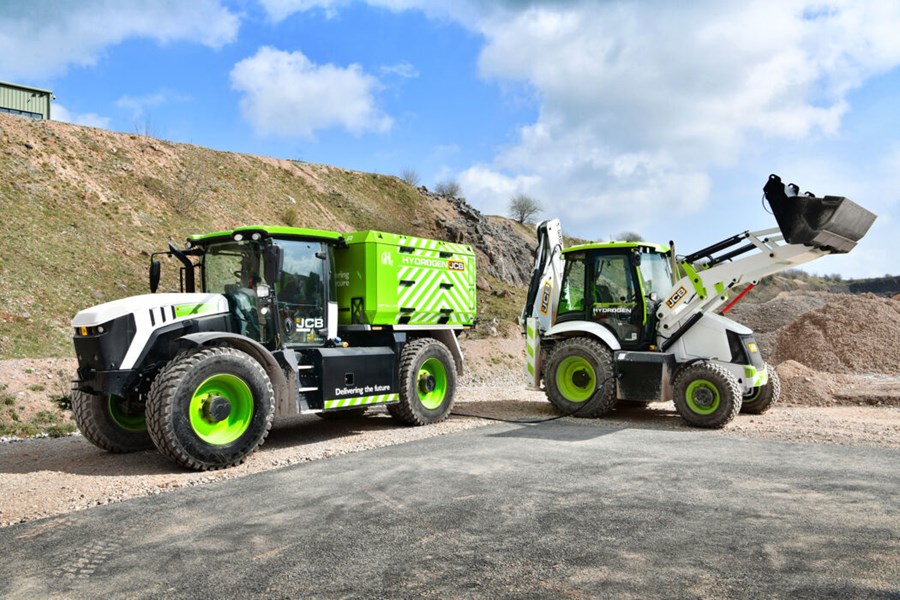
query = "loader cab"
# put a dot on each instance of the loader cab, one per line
(278, 282)
(617, 285)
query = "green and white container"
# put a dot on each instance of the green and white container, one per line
(392, 279)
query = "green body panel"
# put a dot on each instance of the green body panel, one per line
(392, 279)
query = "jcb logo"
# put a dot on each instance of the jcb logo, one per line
(678, 295)
(545, 298)
(456, 265)
(309, 324)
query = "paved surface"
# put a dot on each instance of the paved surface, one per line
(562, 509)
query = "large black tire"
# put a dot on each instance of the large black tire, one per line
(111, 423)
(580, 378)
(210, 408)
(706, 395)
(762, 398)
(427, 383)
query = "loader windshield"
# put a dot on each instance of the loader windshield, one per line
(656, 274)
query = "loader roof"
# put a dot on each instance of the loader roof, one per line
(660, 248)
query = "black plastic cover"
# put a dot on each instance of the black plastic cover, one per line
(831, 223)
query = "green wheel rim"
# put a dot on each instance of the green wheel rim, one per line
(124, 419)
(431, 383)
(702, 397)
(237, 393)
(576, 379)
(753, 396)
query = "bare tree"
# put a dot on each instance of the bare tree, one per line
(522, 207)
(630, 236)
(410, 176)
(450, 189)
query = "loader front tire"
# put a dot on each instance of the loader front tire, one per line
(210, 408)
(706, 395)
(427, 383)
(111, 423)
(580, 379)
(761, 398)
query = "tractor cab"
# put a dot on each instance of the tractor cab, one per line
(278, 282)
(617, 285)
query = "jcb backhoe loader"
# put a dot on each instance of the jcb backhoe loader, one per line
(613, 321)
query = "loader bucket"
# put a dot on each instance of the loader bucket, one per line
(832, 223)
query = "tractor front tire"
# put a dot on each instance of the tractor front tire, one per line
(111, 423)
(706, 395)
(580, 379)
(761, 398)
(210, 408)
(427, 383)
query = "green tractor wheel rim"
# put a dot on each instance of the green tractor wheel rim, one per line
(702, 397)
(576, 379)
(220, 394)
(431, 383)
(125, 420)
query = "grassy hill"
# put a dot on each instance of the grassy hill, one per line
(84, 208)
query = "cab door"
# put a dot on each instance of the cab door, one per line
(614, 295)
(303, 307)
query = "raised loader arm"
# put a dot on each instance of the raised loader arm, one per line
(543, 295)
(809, 228)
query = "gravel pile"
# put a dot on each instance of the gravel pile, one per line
(849, 334)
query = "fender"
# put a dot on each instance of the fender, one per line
(582, 327)
(256, 350)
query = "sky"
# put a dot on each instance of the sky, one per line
(655, 117)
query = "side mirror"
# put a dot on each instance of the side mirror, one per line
(636, 258)
(154, 276)
(273, 257)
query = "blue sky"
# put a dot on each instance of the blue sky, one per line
(657, 117)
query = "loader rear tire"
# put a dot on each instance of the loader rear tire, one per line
(706, 395)
(762, 398)
(111, 423)
(579, 378)
(427, 383)
(210, 408)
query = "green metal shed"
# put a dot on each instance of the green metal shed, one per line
(23, 100)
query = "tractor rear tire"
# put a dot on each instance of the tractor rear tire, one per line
(210, 408)
(762, 398)
(427, 383)
(580, 379)
(706, 395)
(111, 423)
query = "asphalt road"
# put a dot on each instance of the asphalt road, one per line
(563, 509)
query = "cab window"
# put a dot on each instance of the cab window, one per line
(571, 298)
(301, 293)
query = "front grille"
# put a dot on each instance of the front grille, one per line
(102, 347)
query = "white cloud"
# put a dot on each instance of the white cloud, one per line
(404, 70)
(42, 38)
(58, 112)
(139, 105)
(279, 10)
(286, 94)
(640, 101)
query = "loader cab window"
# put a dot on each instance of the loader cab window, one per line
(301, 292)
(571, 297)
(656, 274)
